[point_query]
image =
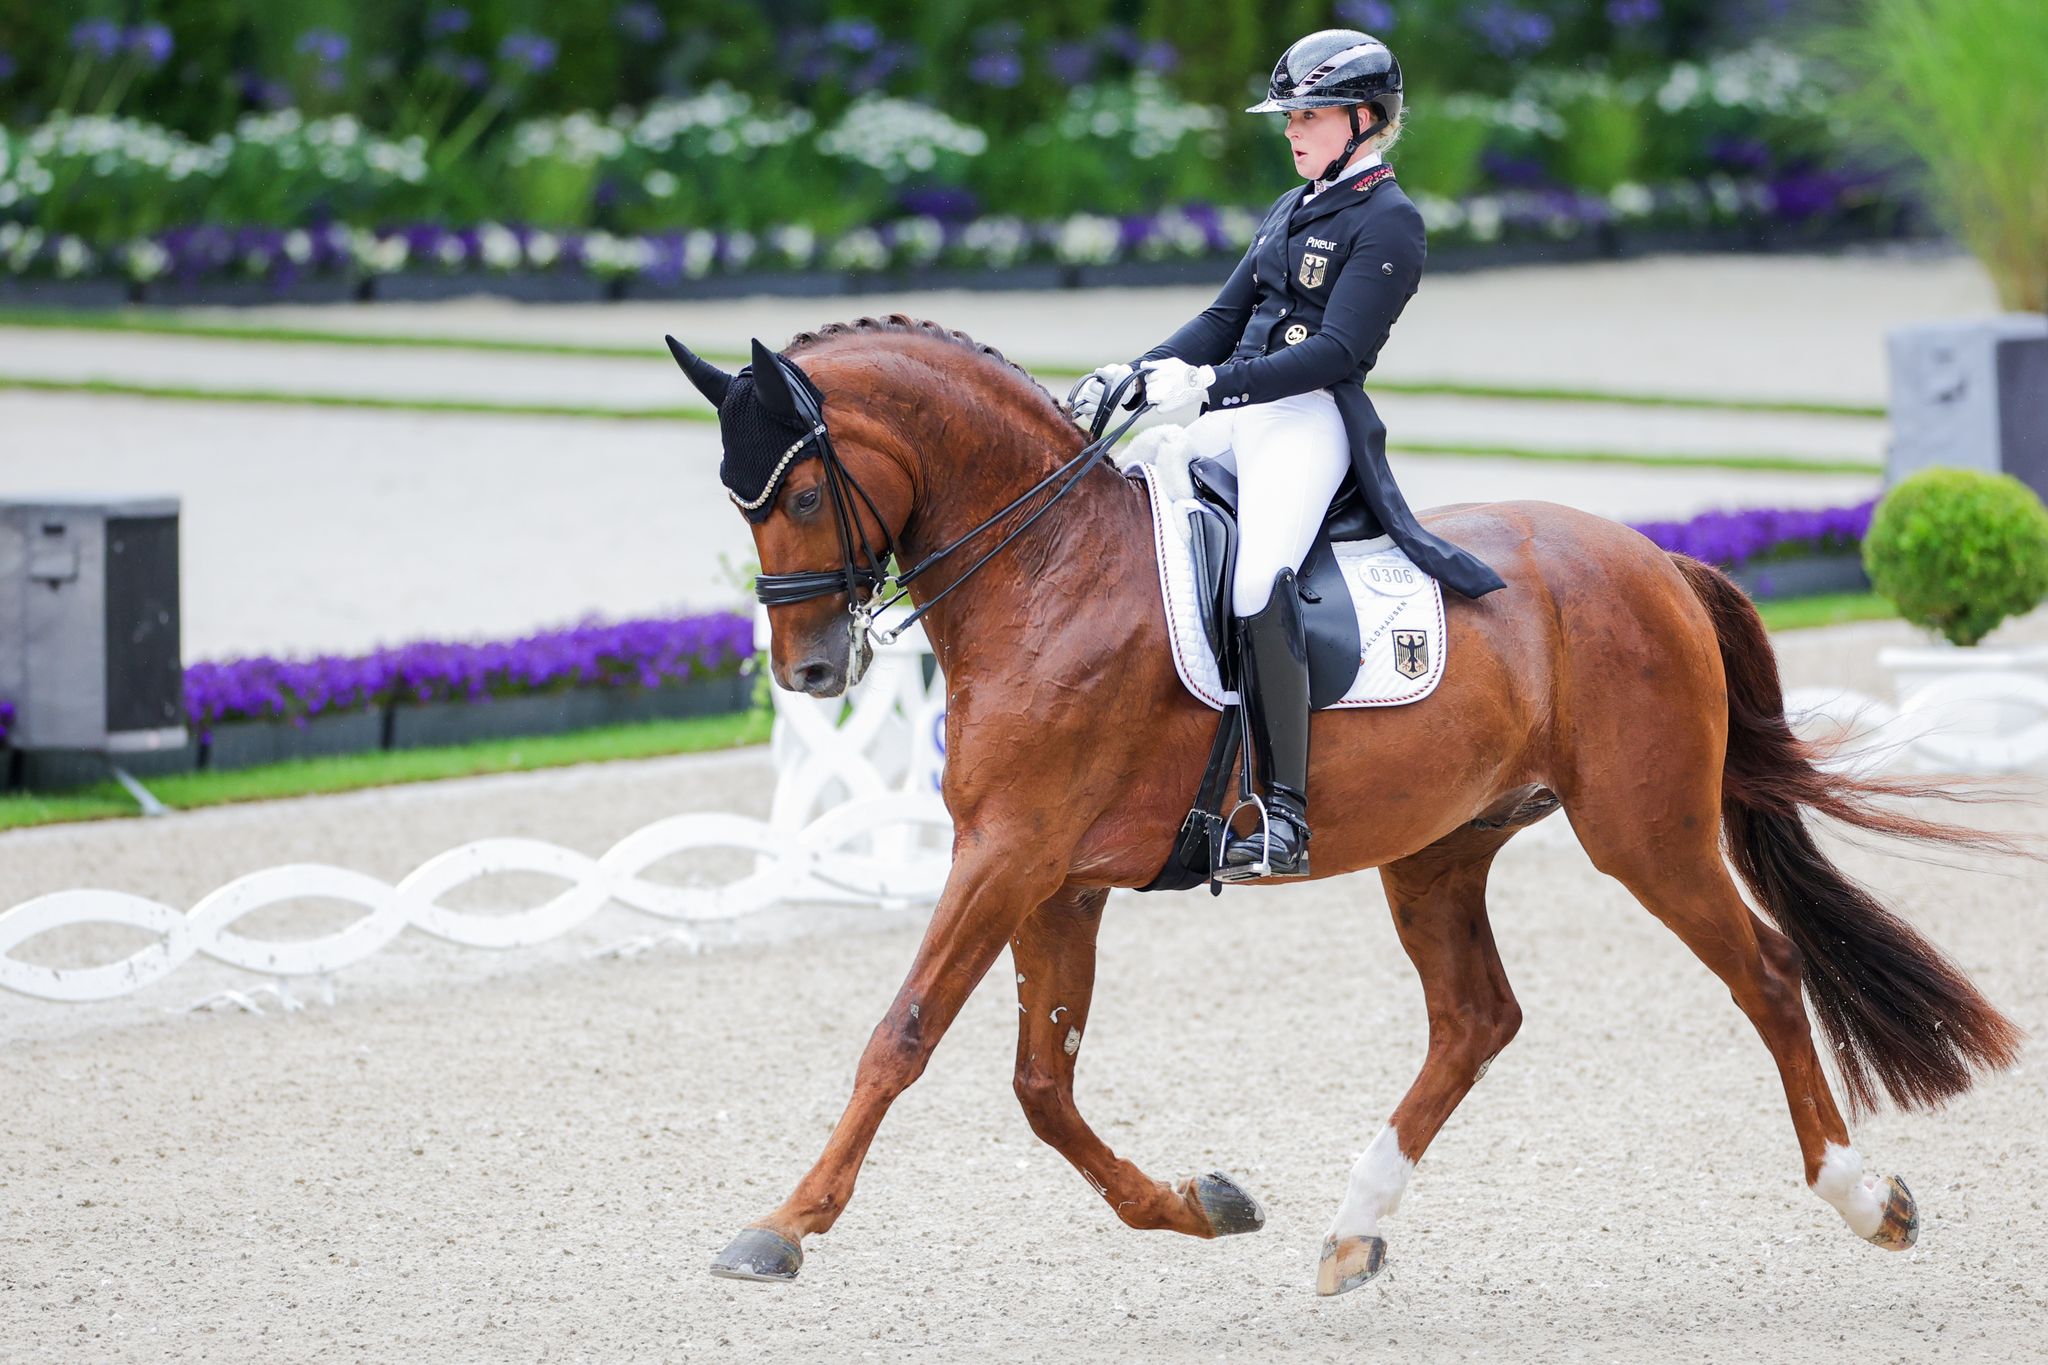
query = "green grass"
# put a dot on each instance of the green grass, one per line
(1829, 609)
(182, 393)
(152, 324)
(355, 772)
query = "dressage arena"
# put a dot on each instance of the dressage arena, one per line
(533, 1156)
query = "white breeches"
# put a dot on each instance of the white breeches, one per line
(1290, 455)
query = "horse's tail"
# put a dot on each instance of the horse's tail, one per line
(1901, 1018)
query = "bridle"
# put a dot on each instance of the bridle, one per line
(865, 574)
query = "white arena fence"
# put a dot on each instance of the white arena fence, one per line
(856, 819)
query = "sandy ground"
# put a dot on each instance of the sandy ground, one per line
(532, 1156)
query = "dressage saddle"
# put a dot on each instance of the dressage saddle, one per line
(1330, 621)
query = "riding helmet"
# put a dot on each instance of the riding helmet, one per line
(1337, 66)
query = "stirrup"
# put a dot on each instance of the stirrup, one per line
(1248, 872)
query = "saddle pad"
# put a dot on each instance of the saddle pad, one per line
(1402, 640)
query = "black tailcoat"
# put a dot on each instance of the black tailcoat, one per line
(1308, 308)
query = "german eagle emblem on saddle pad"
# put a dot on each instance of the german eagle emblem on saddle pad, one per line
(1400, 610)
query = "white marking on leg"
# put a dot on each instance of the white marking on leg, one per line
(1854, 1195)
(1073, 1041)
(1057, 1012)
(1377, 1179)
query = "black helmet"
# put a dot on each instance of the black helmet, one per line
(1338, 66)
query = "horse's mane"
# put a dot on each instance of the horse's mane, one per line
(899, 324)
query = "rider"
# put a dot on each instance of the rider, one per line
(1278, 362)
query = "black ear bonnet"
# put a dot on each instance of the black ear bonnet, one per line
(770, 417)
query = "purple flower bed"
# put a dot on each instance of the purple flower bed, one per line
(644, 654)
(6, 719)
(1730, 539)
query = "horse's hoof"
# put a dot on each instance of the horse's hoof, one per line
(1227, 1207)
(758, 1254)
(1349, 1262)
(1901, 1225)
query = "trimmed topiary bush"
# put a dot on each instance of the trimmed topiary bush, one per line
(1958, 551)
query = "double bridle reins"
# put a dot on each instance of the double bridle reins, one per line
(865, 574)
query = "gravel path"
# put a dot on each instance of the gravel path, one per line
(532, 1156)
(537, 1166)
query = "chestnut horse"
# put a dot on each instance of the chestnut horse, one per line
(1636, 689)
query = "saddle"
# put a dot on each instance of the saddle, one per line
(1327, 615)
(1378, 641)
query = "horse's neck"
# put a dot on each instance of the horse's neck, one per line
(1083, 554)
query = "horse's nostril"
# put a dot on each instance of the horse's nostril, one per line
(814, 677)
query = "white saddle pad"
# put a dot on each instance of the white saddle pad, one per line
(1401, 635)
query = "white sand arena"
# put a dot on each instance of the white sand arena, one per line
(533, 1157)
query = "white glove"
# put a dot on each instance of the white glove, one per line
(1090, 392)
(1171, 384)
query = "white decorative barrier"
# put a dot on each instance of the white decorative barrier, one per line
(856, 819)
(1986, 722)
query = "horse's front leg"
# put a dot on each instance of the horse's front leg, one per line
(988, 893)
(1054, 950)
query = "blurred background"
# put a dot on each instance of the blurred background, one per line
(181, 139)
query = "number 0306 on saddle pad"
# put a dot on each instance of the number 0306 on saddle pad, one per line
(1375, 621)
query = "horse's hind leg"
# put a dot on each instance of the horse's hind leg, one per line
(1438, 897)
(1054, 950)
(1671, 860)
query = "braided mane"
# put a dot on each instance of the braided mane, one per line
(899, 324)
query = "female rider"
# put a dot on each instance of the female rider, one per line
(1278, 362)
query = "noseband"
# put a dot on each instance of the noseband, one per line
(867, 572)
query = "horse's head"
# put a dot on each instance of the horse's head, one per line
(825, 507)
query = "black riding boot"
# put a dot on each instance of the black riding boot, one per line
(1274, 684)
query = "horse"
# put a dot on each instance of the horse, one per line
(1634, 689)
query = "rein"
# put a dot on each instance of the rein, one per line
(869, 577)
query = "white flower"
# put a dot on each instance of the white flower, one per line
(920, 240)
(449, 251)
(298, 246)
(543, 249)
(700, 252)
(1631, 200)
(74, 257)
(1086, 239)
(660, 184)
(996, 241)
(896, 137)
(739, 249)
(145, 259)
(860, 249)
(499, 247)
(795, 244)
(1483, 216)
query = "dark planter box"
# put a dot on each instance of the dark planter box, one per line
(540, 286)
(62, 769)
(1805, 576)
(1587, 246)
(1669, 240)
(21, 293)
(1153, 274)
(781, 283)
(979, 278)
(246, 293)
(252, 743)
(435, 724)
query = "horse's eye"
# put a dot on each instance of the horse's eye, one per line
(806, 502)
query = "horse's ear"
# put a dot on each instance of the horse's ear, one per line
(771, 385)
(711, 381)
